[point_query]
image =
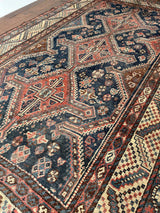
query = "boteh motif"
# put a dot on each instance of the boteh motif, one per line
(61, 104)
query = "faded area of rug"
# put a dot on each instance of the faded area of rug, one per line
(80, 111)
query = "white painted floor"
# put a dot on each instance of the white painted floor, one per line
(8, 6)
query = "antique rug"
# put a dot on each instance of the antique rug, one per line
(80, 110)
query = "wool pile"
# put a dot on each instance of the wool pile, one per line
(80, 110)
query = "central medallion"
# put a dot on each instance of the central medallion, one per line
(43, 95)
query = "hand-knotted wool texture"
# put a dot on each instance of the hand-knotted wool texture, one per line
(80, 112)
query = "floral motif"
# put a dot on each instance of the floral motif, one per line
(103, 110)
(53, 148)
(107, 97)
(52, 176)
(98, 73)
